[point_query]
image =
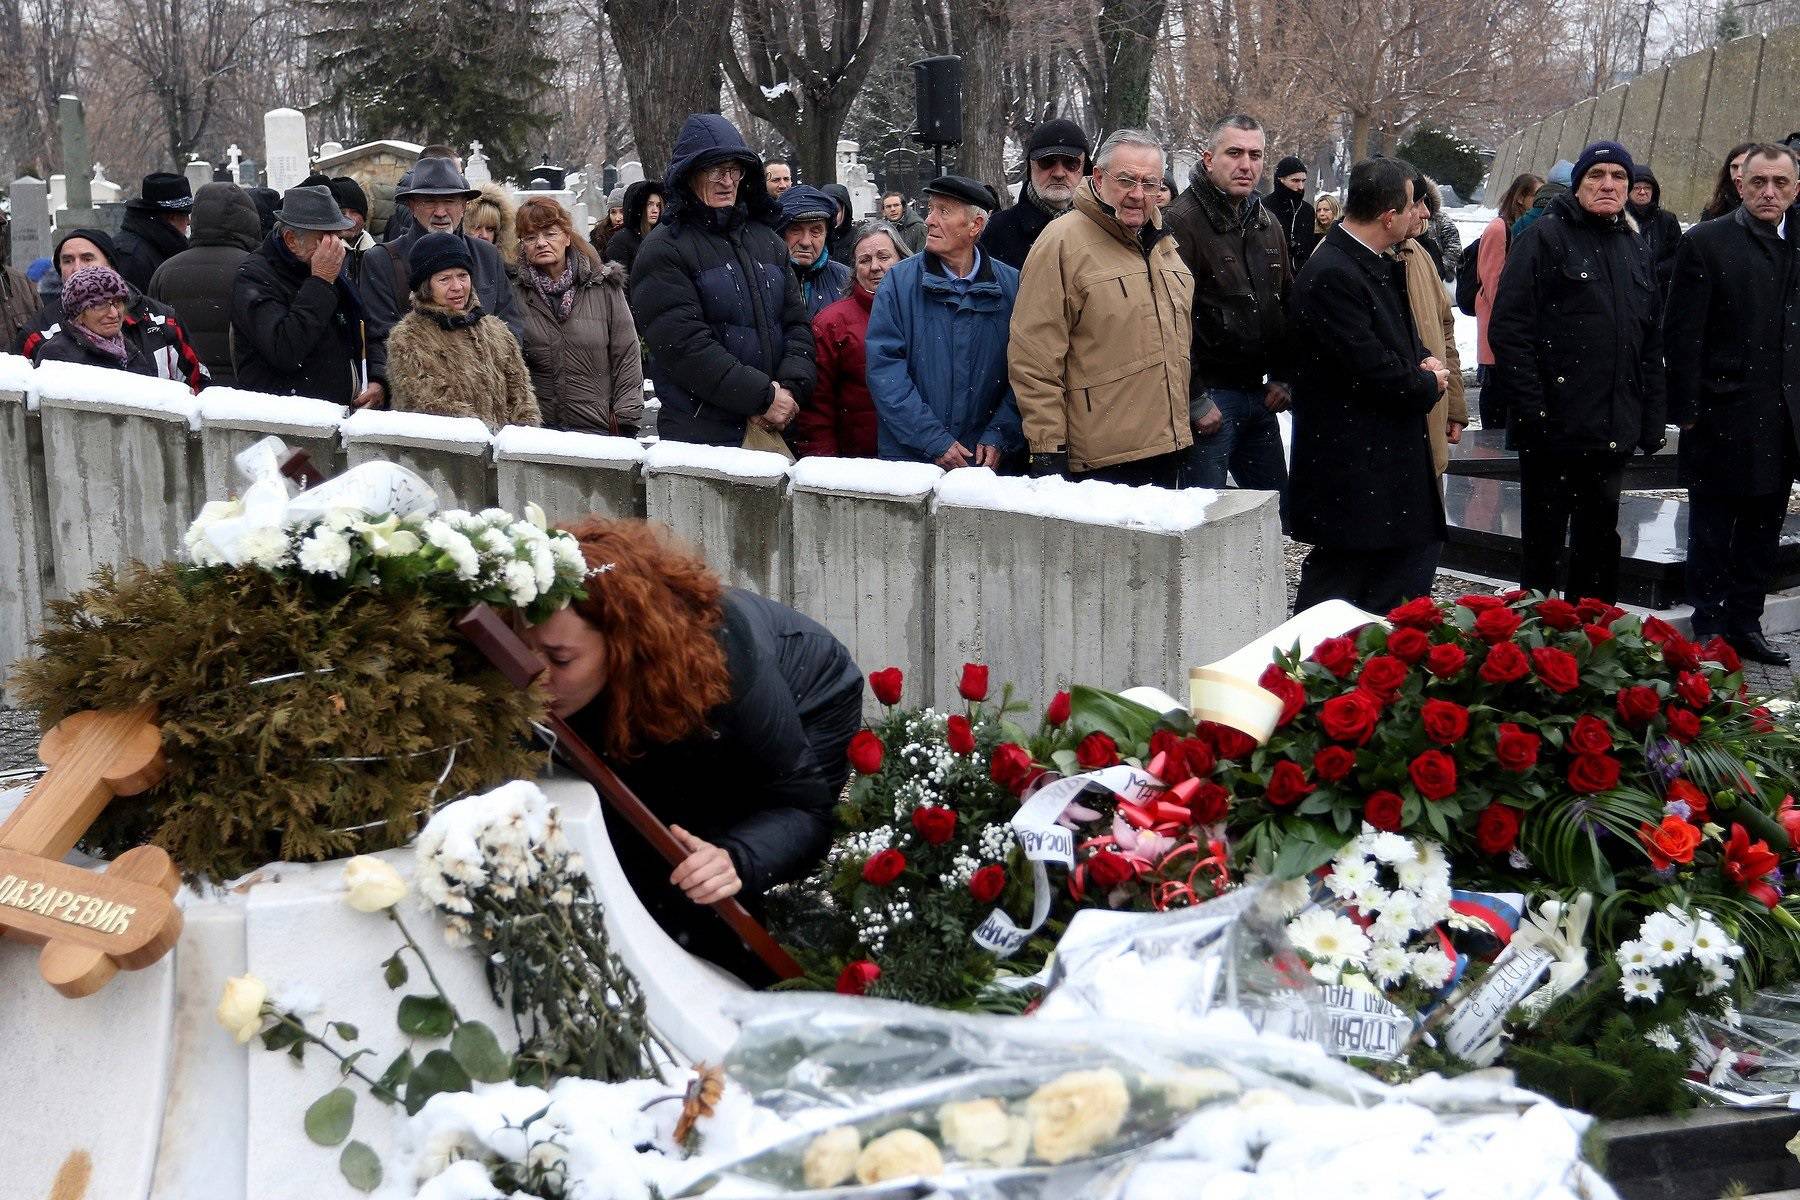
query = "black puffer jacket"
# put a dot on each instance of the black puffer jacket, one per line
(622, 247)
(715, 300)
(145, 241)
(296, 334)
(1577, 348)
(198, 282)
(1660, 228)
(750, 783)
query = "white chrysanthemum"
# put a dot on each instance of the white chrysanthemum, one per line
(266, 548)
(1633, 956)
(1389, 964)
(1663, 1038)
(568, 553)
(341, 519)
(1667, 940)
(1640, 986)
(1329, 936)
(1350, 876)
(521, 583)
(1398, 917)
(1432, 968)
(496, 517)
(1280, 900)
(326, 552)
(1391, 848)
(459, 548)
(493, 541)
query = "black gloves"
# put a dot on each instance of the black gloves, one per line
(1042, 465)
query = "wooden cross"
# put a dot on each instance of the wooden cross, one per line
(490, 634)
(89, 925)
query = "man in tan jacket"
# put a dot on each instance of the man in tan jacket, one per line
(1436, 325)
(1102, 329)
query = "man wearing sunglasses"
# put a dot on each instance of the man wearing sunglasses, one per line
(1056, 157)
(1102, 329)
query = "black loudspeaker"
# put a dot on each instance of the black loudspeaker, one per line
(937, 89)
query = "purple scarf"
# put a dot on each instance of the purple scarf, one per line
(112, 346)
(558, 292)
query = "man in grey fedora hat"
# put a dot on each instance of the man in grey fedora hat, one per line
(297, 325)
(436, 198)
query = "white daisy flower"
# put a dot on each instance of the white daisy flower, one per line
(1710, 945)
(1663, 1038)
(1667, 940)
(1718, 978)
(1329, 936)
(1637, 986)
(1388, 964)
(1633, 956)
(1350, 877)
(1399, 917)
(1391, 848)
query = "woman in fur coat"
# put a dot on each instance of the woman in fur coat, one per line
(446, 356)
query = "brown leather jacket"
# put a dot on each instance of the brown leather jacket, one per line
(1100, 339)
(1241, 280)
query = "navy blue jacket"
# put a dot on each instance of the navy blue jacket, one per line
(715, 299)
(937, 360)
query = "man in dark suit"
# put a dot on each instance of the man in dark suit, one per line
(1732, 340)
(1363, 490)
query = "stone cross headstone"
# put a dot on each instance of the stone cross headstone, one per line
(30, 221)
(583, 220)
(198, 173)
(476, 169)
(284, 146)
(59, 193)
(78, 163)
(233, 156)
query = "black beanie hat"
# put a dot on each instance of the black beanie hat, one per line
(99, 237)
(437, 252)
(350, 195)
(1288, 166)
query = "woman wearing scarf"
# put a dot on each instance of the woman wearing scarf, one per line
(94, 300)
(580, 344)
(446, 356)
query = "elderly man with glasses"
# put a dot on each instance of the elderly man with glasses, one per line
(720, 309)
(1102, 329)
(1056, 157)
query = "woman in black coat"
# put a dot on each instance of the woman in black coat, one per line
(643, 209)
(729, 715)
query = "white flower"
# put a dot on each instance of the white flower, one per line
(1391, 848)
(373, 885)
(1077, 1113)
(1721, 1067)
(1280, 900)
(459, 548)
(1399, 917)
(1633, 956)
(535, 515)
(568, 554)
(974, 1129)
(240, 1008)
(442, 1148)
(830, 1158)
(1637, 986)
(900, 1154)
(387, 539)
(521, 583)
(326, 552)
(1388, 964)
(341, 519)
(265, 547)
(1666, 939)
(1711, 946)
(1328, 936)
(1663, 1038)
(1432, 968)
(1350, 876)
(1718, 978)
(497, 518)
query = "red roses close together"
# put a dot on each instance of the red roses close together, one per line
(1434, 774)
(1446, 722)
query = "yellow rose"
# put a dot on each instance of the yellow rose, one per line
(974, 1129)
(1190, 1087)
(241, 1007)
(901, 1154)
(373, 885)
(1074, 1115)
(831, 1157)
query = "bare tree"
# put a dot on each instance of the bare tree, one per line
(670, 50)
(178, 53)
(48, 38)
(800, 67)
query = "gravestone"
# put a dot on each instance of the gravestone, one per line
(249, 173)
(584, 220)
(476, 169)
(199, 173)
(59, 193)
(104, 190)
(233, 156)
(630, 173)
(30, 221)
(284, 145)
(330, 149)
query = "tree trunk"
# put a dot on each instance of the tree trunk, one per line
(1128, 31)
(1359, 136)
(670, 53)
(978, 31)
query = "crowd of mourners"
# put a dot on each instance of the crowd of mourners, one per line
(1108, 324)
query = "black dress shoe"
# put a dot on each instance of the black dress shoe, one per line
(1757, 648)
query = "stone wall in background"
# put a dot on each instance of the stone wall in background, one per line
(1046, 581)
(1682, 119)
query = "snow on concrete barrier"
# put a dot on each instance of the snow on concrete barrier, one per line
(568, 475)
(24, 514)
(231, 420)
(449, 453)
(729, 504)
(860, 551)
(121, 465)
(1049, 581)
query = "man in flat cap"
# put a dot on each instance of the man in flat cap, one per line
(1056, 157)
(937, 340)
(1102, 332)
(806, 217)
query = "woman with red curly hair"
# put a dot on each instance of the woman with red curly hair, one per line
(728, 714)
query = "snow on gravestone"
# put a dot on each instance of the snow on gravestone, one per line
(284, 147)
(30, 221)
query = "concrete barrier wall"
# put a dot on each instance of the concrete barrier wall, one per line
(1046, 581)
(1682, 119)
